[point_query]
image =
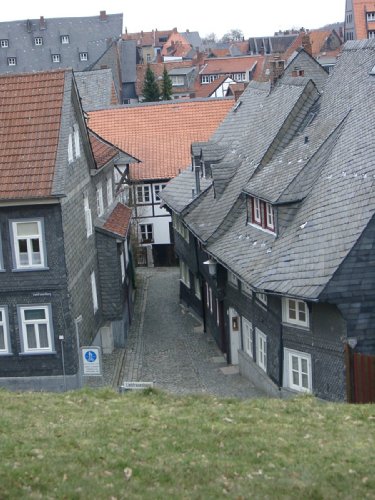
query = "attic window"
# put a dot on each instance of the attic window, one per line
(64, 39)
(12, 61)
(38, 41)
(262, 214)
(56, 58)
(4, 43)
(83, 56)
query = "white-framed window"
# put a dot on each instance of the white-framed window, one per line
(148, 58)
(12, 61)
(4, 43)
(270, 222)
(262, 297)
(184, 274)
(99, 200)
(297, 370)
(157, 189)
(109, 190)
(143, 194)
(94, 292)
(147, 233)
(36, 328)
(122, 263)
(38, 40)
(261, 213)
(247, 332)
(28, 244)
(257, 214)
(197, 288)
(70, 148)
(217, 312)
(64, 39)
(296, 312)
(77, 147)
(246, 289)
(4, 331)
(88, 218)
(232, 279)
(370, 16)
(371, 34)
(178, 80)
(209, 78)
(261, 349)
(83, 56)
(56, 58)
(209, 297)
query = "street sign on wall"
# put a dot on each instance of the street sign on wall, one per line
(91, 361)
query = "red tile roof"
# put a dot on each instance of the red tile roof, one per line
(103, 151)
(118, 221)
(160, 134)
(227, 65)
(30, 115)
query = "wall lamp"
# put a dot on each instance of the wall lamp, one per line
(211, 266)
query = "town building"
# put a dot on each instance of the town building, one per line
(65, 259)
(276, 246)
(359, 20)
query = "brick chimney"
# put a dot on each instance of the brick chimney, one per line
(306, 43)
(276, 69)
(42, 23)
(103, 15)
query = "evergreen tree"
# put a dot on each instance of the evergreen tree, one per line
(166, 87)
(150, 90)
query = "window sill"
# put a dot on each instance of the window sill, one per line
(5, 354)
(37, 353)
(28, 269)
(298, 327)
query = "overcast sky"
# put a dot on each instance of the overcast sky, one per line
(206, 16)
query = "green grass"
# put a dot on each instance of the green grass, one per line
(99, 444)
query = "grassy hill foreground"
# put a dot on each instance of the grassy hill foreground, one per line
(100, 444)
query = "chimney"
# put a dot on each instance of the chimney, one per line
(103, 15)
(197, 179)
(306, 43)
(276, 69)
(42, 23)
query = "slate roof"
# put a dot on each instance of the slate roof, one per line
(325, 184)
(96, 88)
(118, 221)
(193, 38)
(160, 134)
(128, 56)
(86, 34)
(30, 116)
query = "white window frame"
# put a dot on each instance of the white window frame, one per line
(35, 236)
(56, 58)
(370, 16)
(232, 279)
(36, 323)
(64, 39)
(38, 41)
(178, 80)
(4, 43)
(184, 273)
(257, 211)
(143, 191)
(12, 61)
(270, 218)
(4, 326)
(99, 200)
(209, 297)
(287, 303)
(197, 288)
(246, 289)
(109, 190)
(77, 146)
(247, 337)
(83, 56)
(70, 149)
(157, 189)
(94, 292)
(371, 34)
(87, 212)
(261, 349)
(261, 297)
(289, 370)
(146, 232)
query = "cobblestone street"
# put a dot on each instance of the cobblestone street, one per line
(167, 345)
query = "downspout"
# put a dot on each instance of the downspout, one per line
(202, 289)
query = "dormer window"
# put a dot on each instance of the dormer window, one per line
(64, 39)
(4, 43)
(83, 56)
(38, 41)
(262, 214)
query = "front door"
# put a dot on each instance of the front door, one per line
(235, 335)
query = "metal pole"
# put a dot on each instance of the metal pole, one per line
(76, 322)
(63, 361)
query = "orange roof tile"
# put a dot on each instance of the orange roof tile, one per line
(103, 152)
(118, 221)
(30, 115)
(160, 134)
